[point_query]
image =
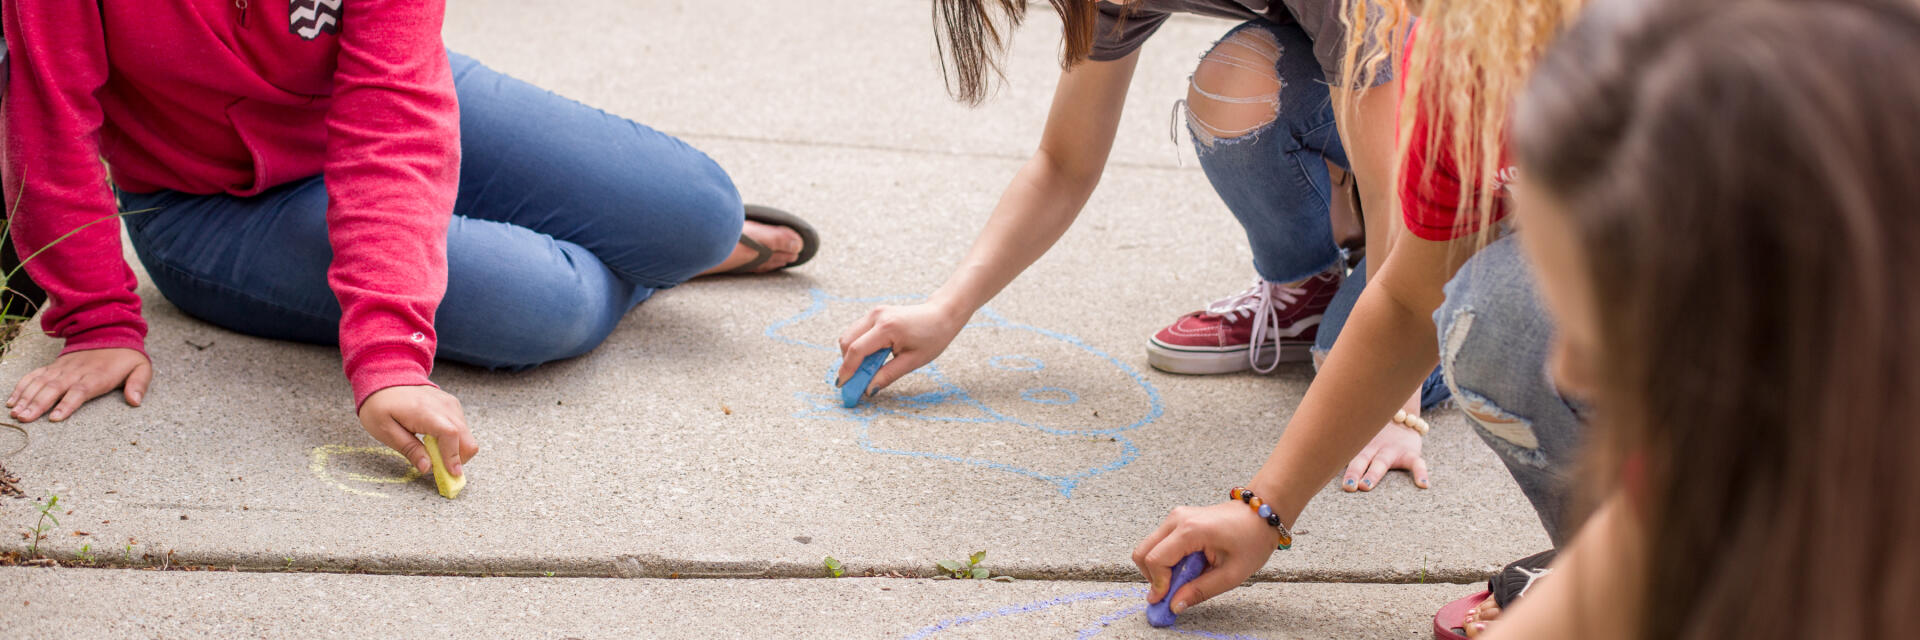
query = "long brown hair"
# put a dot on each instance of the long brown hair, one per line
(973, 35)
(1744, 179)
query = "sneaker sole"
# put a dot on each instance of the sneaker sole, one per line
(1201, 361)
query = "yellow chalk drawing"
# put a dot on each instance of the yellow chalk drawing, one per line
(323, 453)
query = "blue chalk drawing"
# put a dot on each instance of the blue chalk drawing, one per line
(1049, 395)
(1016, 363)
(959, 405)
(1135, 594)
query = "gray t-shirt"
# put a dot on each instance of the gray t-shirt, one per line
(1319, 18)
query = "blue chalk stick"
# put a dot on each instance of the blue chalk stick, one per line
(856, 386)
(1160, 614)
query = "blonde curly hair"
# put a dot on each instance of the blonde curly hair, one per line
(1463, 71)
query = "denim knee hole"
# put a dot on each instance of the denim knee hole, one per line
(1246, 57)
(1513, 434)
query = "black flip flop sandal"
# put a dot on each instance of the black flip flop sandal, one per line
(809, 238)
(1505, 587)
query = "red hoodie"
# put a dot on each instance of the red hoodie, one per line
(236, 97)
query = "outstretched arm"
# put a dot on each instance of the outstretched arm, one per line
(62, 215)
(392, 171)
(1388, 348)
(1035, 210)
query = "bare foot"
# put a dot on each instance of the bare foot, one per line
(1481, 617)
(784, 242)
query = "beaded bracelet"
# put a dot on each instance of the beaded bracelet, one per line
(1416, 423)
(1265, 512)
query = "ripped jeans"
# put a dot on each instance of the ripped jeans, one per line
(1262, 123)
(1494, 340)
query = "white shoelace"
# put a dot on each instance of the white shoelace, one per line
(1258, 301)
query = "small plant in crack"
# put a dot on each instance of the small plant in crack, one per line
(834, 568)
(86, 554)
(971, 569)
(47, 522)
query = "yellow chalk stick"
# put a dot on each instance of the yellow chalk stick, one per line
(448, 484)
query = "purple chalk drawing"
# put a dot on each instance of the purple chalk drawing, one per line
(1130, 606)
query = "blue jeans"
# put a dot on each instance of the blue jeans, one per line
(567, 217)
(1274, 179)
(1494, 339)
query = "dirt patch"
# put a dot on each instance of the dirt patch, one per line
(10, 484)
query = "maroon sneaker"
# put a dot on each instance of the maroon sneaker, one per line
(1258, 328)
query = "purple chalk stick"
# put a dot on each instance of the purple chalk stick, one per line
(1160, 614)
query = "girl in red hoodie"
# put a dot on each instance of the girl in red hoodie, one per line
(325, 171)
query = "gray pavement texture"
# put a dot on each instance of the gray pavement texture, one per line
(699, 440)
(37, 603)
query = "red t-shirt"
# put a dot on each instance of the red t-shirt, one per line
(1430, 203)
(210, 96)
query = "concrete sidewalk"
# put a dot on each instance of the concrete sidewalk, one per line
(41, 603)
(698, 440)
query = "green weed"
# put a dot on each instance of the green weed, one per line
(47, 522)
(834, 568)
(971, 569)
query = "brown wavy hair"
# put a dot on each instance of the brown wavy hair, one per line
(1744, 178)
(972, 36)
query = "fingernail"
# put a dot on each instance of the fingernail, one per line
(1349, 482)
(1179, 606)
(1368, 482)
(1479, 627)
(136, 397)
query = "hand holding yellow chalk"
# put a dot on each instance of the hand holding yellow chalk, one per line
(449, 484)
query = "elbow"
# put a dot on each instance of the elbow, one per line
(1068, 172)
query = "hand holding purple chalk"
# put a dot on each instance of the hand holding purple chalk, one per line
(1160, 614)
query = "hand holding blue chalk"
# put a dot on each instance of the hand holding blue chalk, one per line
(856, 385)
(1160, 614)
